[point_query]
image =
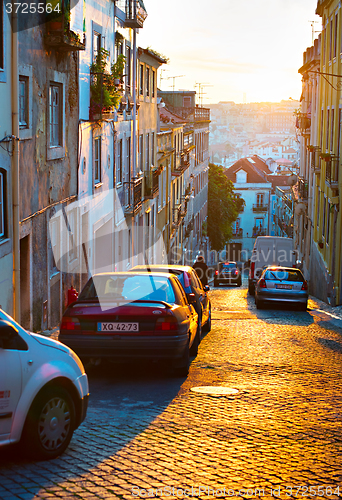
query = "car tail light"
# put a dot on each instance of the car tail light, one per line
(167, 324)
(69, 323)
(262, 283)
(216, 272)
(187, 281)
(252, 269)
(236, 272)
(304, 285)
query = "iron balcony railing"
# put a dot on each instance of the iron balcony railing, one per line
(303, 188)
(331, 172)
(260, 207)
(135, 14)
(259, 231)
(133, 196)
(238, 234)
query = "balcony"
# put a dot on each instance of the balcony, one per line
(303, 123)
(303, 188)
(192, 114)
(133, 196)
(151, 184)
(58, 33)
(259, 231)
(135, 14)
(260, 208)
(238, 234)
(331, 173)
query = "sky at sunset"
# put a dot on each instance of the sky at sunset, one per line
(246, 50)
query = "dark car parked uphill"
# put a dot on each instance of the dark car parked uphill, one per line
(192, 287)
(227, 273)
(132, 316)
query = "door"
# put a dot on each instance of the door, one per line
(10, 389)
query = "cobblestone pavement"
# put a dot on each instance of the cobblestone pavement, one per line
(278, 437)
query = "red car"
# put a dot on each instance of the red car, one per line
(132, 316)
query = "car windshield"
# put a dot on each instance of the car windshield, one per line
(283, 275)
(131, 287)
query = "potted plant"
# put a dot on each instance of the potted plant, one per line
(118, 69)
(320, 244)
(103, 92)
(310, 148)
(325, 156)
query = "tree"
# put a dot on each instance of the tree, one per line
(224, 207)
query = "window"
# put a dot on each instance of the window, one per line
(260, 199)
(96, 44)
(328, 222)
(119, 162)
(23, 102)
(2, 48)
(128, 66)
(97, 160)
(141, 80)
(241, 177)
(141, 151)
(186, 102)
(153, 83)
(331, 39)
(327, 130)
(2, 203)
(55, 241)
(72, 234)
(152, 148)
(147, 152)
(128, 159)
(147, 81)
(55, 114)
(339, 132)
(332, 129)
(335, 35)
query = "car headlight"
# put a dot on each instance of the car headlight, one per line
(77, 360)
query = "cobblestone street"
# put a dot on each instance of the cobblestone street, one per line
(147, 434)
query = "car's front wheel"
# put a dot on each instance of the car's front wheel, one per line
(50, 423)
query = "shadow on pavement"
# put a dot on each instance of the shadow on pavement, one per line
(124, 400)
(279, 313)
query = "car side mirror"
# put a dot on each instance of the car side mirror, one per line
(206, 288)
(7, 333)
(191, 298)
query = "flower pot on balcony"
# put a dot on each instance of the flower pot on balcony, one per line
(325, 156)
(55, 26)
(320, 244)
(311, 149)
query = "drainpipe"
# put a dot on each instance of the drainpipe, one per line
(15, 168)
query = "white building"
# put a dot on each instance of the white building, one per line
(249, 176)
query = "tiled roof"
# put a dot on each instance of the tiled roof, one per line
(167, 117)
(255, 168)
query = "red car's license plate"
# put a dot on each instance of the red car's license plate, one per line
(286, 287)
(117, 327)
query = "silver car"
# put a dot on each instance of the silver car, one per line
(281, 284)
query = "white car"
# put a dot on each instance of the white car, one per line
(43, 391)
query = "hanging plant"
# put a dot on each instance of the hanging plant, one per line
(103, 91)
(311, 149)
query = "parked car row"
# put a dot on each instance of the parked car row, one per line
(149, 312)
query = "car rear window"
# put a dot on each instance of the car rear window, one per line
(129, 287)
(229, 265)
(283, 275)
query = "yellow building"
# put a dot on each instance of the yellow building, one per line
(325, 258)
